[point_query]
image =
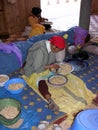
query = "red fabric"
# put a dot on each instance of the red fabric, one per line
(58, 41)
(95, 101)
(43, 88)
(60, 120)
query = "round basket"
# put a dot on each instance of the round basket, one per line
(6, 102)
(65, 68)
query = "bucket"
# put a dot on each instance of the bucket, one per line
(86, 120)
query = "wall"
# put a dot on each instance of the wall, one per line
(2, 19)
(94, 9)
(14, 15)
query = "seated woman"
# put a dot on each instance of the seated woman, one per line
(41, 56)
(34, 21)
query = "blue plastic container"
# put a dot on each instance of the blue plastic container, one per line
(86, 120)
(15, 81)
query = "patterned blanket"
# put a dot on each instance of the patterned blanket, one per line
(71, 98)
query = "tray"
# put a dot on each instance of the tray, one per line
(77, 64)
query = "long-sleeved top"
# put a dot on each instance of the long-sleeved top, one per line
(37, 28)
(38, 57)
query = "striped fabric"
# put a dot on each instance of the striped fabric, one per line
(93, 29)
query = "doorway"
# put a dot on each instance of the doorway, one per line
(63, 13)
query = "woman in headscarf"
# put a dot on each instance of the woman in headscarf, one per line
(42, 55)
(34, 22)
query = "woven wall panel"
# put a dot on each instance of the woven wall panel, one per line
(93, 29)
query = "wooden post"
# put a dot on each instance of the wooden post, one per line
(85, 12)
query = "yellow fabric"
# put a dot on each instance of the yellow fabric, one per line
(65, 36)
(36, 27)
(71, 98)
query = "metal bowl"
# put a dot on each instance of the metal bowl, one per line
(57, 80)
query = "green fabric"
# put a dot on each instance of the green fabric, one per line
(37, 58)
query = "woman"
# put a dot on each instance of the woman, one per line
(34, 22)
(42, 55)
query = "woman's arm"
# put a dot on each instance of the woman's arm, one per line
(54, 66)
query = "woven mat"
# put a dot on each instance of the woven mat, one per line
(94, 40)
(92, 48)
(34, 109)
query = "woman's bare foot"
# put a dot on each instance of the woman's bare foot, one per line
(52, 105)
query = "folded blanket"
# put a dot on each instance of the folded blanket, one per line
(12, 48)
(71, 98)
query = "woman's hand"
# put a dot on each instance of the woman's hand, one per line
(43, 19)
(55, 66)
(52, 66)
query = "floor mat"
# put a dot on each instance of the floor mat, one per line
(95, 39)
(90, 74)
(37, 108)
(34, 109)
(92, 48)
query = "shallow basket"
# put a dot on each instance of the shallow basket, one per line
(15, 81)
(5, 102)
(66, 67)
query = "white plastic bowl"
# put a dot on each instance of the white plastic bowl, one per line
(3, 79)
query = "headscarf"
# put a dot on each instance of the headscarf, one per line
(80, 36)
(58, 41)
(36, 11)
